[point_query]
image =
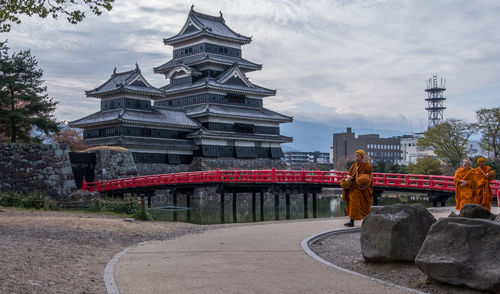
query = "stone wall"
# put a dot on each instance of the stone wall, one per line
(200, 163)
(161, 168)
(114, 164)
(29, 167)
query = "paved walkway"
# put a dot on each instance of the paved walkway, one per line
(255, 258)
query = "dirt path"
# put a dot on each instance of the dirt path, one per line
(66, 252)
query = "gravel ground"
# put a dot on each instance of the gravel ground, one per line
(344, 250)
(66, 252)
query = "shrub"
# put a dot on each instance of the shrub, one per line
(16, 199)
(123, 206)
(145, 216)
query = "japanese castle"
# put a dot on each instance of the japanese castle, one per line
(208, 109)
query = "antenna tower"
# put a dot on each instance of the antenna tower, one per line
(435, 101)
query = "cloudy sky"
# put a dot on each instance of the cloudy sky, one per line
(340, 62)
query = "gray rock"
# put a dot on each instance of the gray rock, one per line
(80, 199)
(497, 218)
(464, 252)
(474, 211)
(375, 208)
(395, 232)
(453, 214)
(81, 195)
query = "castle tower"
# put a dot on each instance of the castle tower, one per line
(209, 109)
(208, 82)
(435, 101)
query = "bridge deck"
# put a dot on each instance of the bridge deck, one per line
(385, 181)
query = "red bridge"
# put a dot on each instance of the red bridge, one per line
(381, 181)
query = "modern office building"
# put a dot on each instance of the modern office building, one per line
(376, 148)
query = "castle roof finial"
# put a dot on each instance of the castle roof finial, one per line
(137, 66)
(192, 7)
(114, 71)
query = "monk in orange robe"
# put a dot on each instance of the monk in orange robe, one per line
(484, 174)
(358, 197)
(465, 184)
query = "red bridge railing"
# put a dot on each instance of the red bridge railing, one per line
(403, 181)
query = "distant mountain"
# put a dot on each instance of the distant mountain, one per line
(312, 136)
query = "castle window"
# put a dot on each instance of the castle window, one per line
(233, 98)
(243, 128)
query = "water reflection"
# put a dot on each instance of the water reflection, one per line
(207, 209)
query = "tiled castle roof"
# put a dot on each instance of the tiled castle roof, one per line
(199, 24)
(154, 116)
(209, 134)
(232, 111)
(129, 81)
(202, 58)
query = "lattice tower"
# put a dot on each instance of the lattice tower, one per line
(435, 101)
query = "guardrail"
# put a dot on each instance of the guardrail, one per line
(403, 181)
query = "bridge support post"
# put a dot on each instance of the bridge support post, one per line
(277, 206)
(375, 196)
(149, 201)
(143, 205)
(287, 205)
(315, 206)
(188, 205)
(222, 205)
(261, 206)
(254, 216)
(235, 217)
(434, 199)
(306, 206)
(174, 203)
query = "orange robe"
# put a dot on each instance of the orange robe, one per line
(358, 202)
(464, 194)
(483, 195)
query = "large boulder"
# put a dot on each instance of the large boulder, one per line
(474, 211)
(463, 251)
(395, 232)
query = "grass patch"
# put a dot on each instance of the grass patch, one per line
(33, 200)
(109, 206)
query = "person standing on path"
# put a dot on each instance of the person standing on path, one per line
(484, 174)
(357, 191)
(465, 184)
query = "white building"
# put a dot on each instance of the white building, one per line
(410, 151)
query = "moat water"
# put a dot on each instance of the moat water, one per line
(207, 209)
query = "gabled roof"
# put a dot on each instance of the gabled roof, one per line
(234, 76)
(209, 134)
(182, 68)
(203, 57)
(233, 111)
(130, 81)
(199, 24)
(154, 116)
(210, 83)
(232, 80)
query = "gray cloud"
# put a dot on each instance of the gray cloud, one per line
(341, 62)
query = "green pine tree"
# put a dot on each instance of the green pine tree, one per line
(24, 103)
